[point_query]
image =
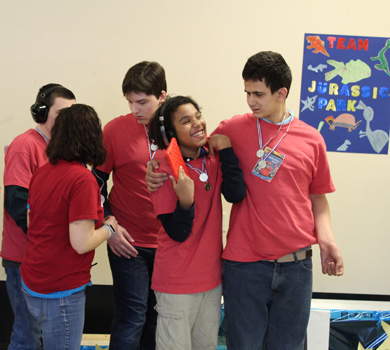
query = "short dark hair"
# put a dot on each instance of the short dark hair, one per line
(77, 135)
(169, 107)
(271, 67)
(146, 77)
(49, 92)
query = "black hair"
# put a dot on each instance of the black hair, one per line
(49, 92)
(271, 67)
(169, 107)
(146, 77)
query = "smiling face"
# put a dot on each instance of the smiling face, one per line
(263, 103)
(143, 106)
(190, 128)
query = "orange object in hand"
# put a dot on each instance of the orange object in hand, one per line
(175, 158)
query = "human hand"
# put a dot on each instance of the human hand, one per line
(121, 243)
(218, 142)
(154, 180)
(331, 260)
(184, 189)
(110, 220)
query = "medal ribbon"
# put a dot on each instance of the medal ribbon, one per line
(151, 153)
(260, 135)
(200, 172)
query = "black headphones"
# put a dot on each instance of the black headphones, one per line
(166, 133)
(40, 110)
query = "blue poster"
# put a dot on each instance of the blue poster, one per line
(345, 91)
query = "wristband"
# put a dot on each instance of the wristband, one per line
(111, 231)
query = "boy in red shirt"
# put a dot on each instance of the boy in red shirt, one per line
(23, 157)
(131, 251)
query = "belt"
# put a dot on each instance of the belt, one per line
(293, 257)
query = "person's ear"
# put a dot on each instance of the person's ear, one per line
(282, 94)
(163, 97)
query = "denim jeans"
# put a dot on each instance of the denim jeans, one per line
(267, 305)
(61, 319)
(26, 334)
(135, 319)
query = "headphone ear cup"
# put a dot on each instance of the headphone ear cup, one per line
(39, 112)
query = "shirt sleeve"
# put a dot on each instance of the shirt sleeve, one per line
(15, 204)
(178, 225)
(322, 181)
(18, 168)
(102, 178)
(233, 186)
(84, 201)
(109, 164)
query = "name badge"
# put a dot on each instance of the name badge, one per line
(267, 166)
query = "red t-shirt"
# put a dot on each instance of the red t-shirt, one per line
(193, 266)
(59, 194)
(130, 201)
(24, 156)
(275, 218)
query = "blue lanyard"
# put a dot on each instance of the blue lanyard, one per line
(42, 134)
(260, 135)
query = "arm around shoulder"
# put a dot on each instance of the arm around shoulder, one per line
(233, 186)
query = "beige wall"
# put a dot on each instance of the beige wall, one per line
(88, 45)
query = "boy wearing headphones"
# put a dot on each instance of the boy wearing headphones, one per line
(131, 251)
(23, 157)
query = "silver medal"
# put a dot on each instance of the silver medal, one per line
(262, 164)
(203, 177)
(102, 199)
(153, 147)
(260, 153)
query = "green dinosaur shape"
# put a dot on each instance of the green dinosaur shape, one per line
(384, 65)
(353, 71)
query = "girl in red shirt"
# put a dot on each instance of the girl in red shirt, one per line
(187, 270)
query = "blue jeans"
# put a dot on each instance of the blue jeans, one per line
(26, 333)
(61, 320)
(135, 319)
(267, 305)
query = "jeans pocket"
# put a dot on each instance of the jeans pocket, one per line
(35, 306)
(25, 292)
(307, 264)
(169, 312)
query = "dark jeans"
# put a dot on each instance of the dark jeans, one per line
(135, 320)
(267, 305)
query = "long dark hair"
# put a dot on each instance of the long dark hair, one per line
(77, 135)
